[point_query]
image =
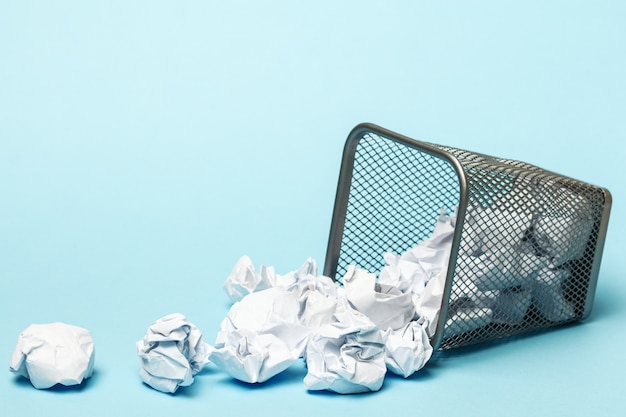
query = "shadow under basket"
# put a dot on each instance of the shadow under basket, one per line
(527, 242)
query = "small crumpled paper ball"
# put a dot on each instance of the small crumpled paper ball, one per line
(346, 356)
(171, 353)
(407, 350)
(54, 353)
(261, 336)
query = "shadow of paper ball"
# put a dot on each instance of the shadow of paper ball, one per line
(326, 393)
(423, 374)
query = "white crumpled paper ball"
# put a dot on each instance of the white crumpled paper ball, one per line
(346, 356)
(54, 353)
(252, 357)
(171, 353)
(244, 279)
(407, 350)
(261, 336)
(384, 304)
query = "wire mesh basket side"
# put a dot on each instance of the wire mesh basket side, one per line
(390, 201)
(527, 253)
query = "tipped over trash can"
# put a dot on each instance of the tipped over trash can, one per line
(527, 242)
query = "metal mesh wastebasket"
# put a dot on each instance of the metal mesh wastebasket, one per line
(527, 243)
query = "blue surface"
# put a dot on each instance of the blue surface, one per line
(146, 146)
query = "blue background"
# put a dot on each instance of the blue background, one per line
(146, 146)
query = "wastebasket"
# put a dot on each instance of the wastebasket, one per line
(527, 243)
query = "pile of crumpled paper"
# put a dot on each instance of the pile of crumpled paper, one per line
(348, 334)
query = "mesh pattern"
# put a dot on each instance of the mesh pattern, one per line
(395, 197)
(527, 248)
(538, 232)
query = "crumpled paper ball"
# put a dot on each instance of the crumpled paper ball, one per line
(548, 295)
(318, 302)
(420, 269)
(252, 357)
(244, 279)
(384, 304)
(318, 294)
(346, 356)
(54, 353)
(408, 349)
(171, 353)
(261, 336)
